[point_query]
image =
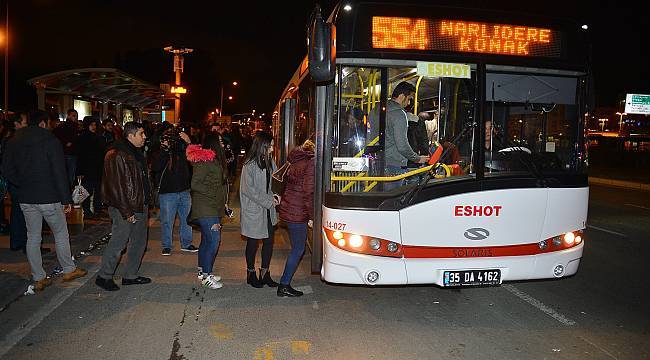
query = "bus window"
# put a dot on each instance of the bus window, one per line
(444, 108)
(531, 124)
(303, 125)
(358, 122)
(438, 118)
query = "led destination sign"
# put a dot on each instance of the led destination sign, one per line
(464, 36)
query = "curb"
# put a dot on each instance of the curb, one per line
(619, 183)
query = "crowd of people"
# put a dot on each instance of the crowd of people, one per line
(186, 172)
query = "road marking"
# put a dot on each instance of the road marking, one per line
(607, 231)
(539, 305)
(221, 331)
(19, 333)
(300, 347)
(638, 206)
(270, 348)
(598, 347)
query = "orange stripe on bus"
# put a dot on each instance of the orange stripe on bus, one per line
(425, 252)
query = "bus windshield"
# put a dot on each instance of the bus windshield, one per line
(530, 127)
(530, 118)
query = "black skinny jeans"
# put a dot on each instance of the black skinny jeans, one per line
(267, 247)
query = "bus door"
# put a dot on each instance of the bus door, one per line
(287, 118)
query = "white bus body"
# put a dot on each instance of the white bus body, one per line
(431, 237)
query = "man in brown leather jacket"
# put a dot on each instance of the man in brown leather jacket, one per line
(127, 192)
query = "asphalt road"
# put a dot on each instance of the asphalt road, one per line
(600, 313)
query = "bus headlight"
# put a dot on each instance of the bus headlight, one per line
(356, 241)
(557, 241)
(569, 238)
(362, 244)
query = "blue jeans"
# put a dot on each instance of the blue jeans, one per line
(210, 240)
(298, 237)
(170, 204)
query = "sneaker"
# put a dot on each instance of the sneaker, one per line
(215, 277)
(190, 248)
(40, 285)
(166, 251)
(211, 282)
(77, 273)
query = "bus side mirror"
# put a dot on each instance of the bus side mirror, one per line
(321, 48)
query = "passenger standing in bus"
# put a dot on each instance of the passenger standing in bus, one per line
(258, 215)
(209, 187)
(398, 151)
(297, 210)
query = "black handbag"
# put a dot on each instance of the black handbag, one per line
(279, 179)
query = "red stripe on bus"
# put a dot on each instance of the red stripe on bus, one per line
(424, 252)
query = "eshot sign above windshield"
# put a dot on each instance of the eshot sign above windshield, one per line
(637, 104)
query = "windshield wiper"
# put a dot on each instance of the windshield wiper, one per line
(411, 194)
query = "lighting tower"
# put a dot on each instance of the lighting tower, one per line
(177, 89)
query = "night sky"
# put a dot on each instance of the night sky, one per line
(257, 43)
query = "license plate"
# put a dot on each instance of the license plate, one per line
(471, 277)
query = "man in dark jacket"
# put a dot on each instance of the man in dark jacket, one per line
(172, 178)
(417, 133)
(68, 133)
(90, 164)
(34, 163)
(127, 192)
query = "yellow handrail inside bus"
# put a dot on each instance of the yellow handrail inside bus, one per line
(417, 91)
(383, 178)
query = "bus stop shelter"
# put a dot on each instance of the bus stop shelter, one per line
(96, 91)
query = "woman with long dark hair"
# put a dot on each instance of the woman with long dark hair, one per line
(209, 187)
(258, 215)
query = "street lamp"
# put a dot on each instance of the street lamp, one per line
(620, 122)
(602, 123)
(177, 90)
(234, 83)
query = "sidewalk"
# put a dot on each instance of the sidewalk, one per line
(15, 273)
(633, 185)
(66, 318)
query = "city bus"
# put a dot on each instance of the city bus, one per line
(500, 103)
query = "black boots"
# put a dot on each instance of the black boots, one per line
(287, 290)
(252, 279)
(265, 278)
